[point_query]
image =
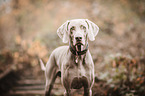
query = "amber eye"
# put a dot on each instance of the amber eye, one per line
(72, 28)
(83, 27)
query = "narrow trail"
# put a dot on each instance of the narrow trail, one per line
(31, 85)
(28, 86)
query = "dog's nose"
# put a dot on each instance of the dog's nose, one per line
(78, 38)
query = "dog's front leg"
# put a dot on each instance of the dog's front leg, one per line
(87, 92)
(66, 83)
(87, 87)
(67, 92)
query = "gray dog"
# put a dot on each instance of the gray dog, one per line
(74, 62)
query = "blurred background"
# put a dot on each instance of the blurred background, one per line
(28, 32)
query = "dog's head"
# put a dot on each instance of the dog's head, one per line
(78, 31)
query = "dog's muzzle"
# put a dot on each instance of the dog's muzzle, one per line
(79, 46)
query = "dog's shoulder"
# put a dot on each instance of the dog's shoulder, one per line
(60, 50)
(59, 54)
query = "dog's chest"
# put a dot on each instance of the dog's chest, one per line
(78, 70)
(78, 75)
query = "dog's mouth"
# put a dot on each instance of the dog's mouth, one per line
(79, 46)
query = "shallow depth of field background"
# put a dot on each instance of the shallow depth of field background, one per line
(28, 32)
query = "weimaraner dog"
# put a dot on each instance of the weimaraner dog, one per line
(72, 63)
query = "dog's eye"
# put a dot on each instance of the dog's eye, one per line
(72, 28)
(83, 27)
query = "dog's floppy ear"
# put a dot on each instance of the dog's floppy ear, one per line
(93, 30)
(62, 32)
